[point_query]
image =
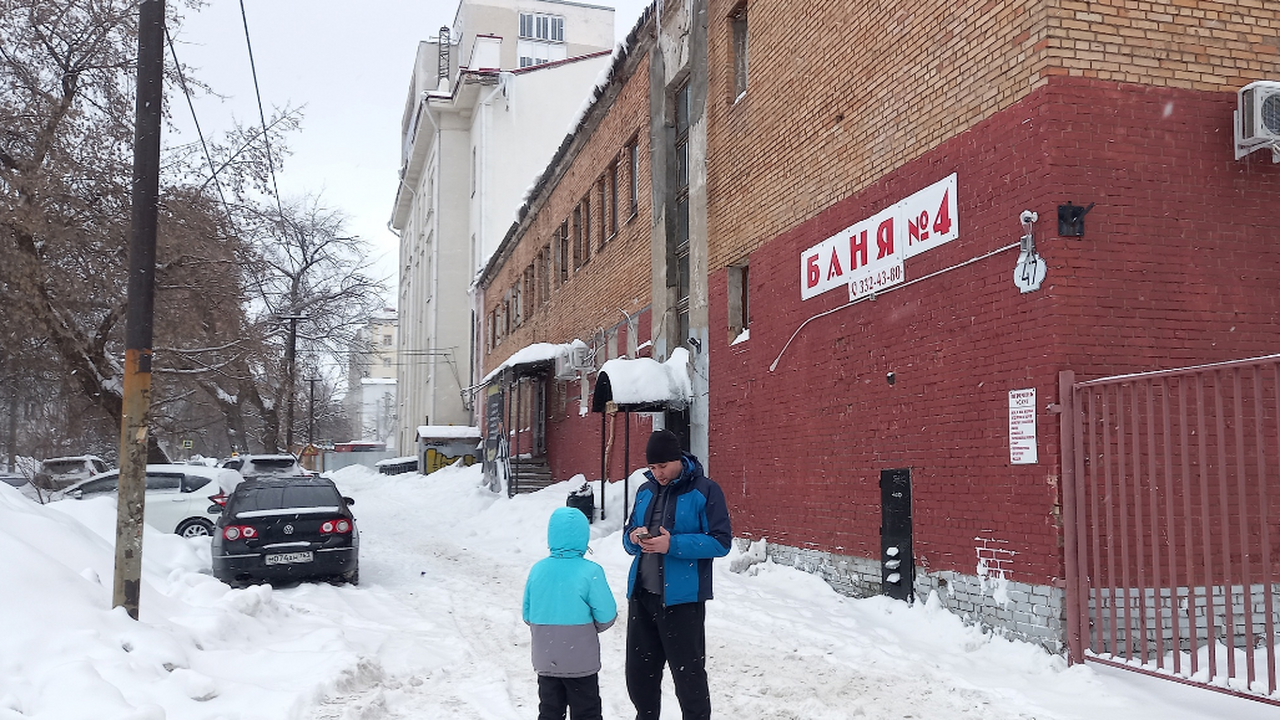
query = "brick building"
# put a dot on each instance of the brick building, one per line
(575, 266)
(838, 200)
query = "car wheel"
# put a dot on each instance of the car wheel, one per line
(353, 577)
(195, 527)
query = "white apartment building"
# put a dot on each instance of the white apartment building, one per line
(372, 369)
(490, 101)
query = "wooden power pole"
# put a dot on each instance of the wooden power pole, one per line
(134, 426)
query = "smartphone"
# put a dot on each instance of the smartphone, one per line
(644, 534)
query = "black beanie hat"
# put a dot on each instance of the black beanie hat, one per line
(663, 446)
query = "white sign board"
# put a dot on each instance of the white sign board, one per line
(868, 255)
(1022, 427)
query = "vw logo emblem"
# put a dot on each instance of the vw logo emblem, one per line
(288, 529)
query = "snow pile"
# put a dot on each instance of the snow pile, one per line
(434, 631)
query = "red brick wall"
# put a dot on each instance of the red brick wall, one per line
(590, 306)
(1178, 266)
(615, 276)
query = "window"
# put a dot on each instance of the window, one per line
(679, 224)
(164, 482)
(386, 362)
(578, 259)
(565, 255)
(739, 300)
(386, 340)
(544, 275)
(613, 198)
(537, 26)
(602, 202)
(738, 32)
(586, 228)
(633, 167)
(517, 305)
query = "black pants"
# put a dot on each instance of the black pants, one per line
(581, 695)
(674, 636)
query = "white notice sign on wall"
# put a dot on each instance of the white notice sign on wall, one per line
(1022, 427)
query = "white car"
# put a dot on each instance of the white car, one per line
(62, 472)
(260, 466)
(178, 497)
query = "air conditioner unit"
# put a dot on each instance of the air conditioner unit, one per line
(575, 360)
(1257, 118)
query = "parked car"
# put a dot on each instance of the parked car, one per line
(14, 479)
(286, 529)
(256, 466)
(179, 498)
(62, 472)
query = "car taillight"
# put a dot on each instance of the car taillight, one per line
(220, 498)
(340, 526)
(235, 532)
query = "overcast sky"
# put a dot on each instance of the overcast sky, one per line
(348, 64)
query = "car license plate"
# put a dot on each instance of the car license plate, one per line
(288, 558)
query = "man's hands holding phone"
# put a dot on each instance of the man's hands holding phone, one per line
(651, 543)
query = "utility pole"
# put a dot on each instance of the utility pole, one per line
(290, 359)
(141, 303)
(311, 424)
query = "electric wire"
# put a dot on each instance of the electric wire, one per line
(182, 80)
(873, 296)
(262, 117)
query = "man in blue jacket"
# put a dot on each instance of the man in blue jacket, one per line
(679, 524)
(567, 602)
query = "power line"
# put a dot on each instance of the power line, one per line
(182, 80)
(262, 117)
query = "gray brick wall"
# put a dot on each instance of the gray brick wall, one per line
(1018, 611)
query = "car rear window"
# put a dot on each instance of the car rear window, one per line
(269, 464)
(65, 467)
(191, 483)
(287, 497)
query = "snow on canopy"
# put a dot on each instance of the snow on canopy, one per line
(537, 352)
(645, 381)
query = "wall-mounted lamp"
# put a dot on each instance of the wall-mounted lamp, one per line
(1030, 270)
(1071, 219)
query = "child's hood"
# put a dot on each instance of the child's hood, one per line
(568, 533)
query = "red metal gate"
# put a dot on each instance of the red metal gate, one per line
(1171, 494)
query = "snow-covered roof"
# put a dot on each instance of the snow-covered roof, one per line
(535, 353)
(444, 432)
(645, 381)
(377, 381)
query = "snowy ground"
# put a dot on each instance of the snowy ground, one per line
(434, 630)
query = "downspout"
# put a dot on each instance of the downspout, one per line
(483, 163)
(482, 166)
(435, 252)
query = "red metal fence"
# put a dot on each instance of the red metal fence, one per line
(1171, 493)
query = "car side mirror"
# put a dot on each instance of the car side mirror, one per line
(77, 494)
(215, 509)
(347, 500)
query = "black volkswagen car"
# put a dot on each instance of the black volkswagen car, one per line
(286, 529)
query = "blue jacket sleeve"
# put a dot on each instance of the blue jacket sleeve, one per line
(604, 609)
(713, 543)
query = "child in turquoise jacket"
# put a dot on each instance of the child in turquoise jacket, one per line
(567, 603)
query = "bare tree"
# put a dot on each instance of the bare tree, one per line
(313, 279)
(229, 264)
